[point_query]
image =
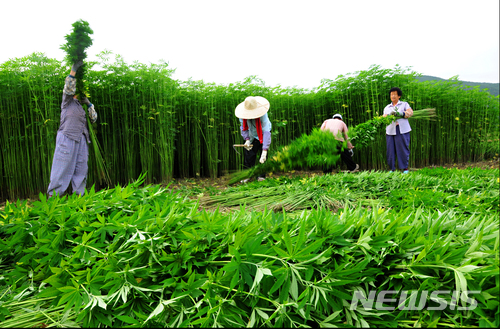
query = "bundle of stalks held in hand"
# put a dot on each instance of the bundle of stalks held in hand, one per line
(425, 114)
(76, 44)
(364, 133)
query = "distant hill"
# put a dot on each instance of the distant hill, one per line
(493, 88)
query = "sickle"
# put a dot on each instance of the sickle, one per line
(239, 145)
(234, 147)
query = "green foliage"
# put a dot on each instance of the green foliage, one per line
(29, 117)
(145, 257)
(76, 44)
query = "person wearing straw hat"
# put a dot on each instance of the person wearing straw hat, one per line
(255, 129)
(338, 128)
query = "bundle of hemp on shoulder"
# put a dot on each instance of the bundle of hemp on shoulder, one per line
(76, 44)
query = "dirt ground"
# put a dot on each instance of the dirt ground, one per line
(221, 183)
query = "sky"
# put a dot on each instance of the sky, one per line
(287, 43)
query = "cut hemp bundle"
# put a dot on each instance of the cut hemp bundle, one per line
(316, 149)
(364, 133)
(76, 44)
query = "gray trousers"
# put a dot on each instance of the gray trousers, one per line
(69, 165)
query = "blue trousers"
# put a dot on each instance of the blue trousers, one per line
(69, 165)
(398, 146)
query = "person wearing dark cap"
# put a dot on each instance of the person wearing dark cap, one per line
(338, 128)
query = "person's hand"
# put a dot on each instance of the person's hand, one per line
(263, 157)
(248, 146)
(85, 101)
(76, 65)
(92, 113)
(408, 113)
(397, 114)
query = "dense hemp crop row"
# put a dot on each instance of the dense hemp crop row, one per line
(146, 256)
(149, 122)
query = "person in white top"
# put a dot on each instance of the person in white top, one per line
(339, 129)
(398, 132)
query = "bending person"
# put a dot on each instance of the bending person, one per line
(338, 128)
(255, 129)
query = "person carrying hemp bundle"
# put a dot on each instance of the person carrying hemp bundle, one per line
(70, 162)
(398, 132)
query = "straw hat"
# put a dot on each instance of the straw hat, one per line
(252, 108)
